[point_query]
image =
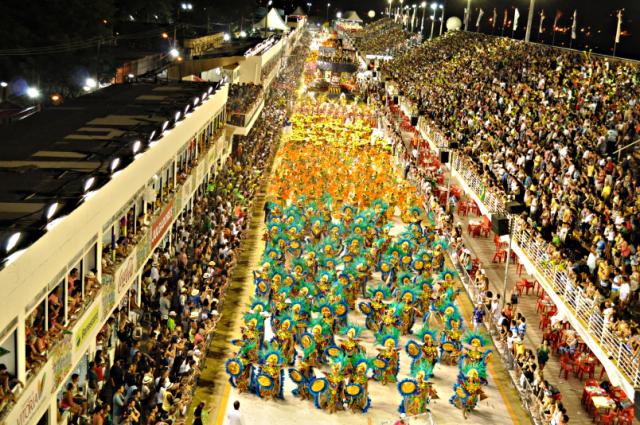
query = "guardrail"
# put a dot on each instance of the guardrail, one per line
(555, 276)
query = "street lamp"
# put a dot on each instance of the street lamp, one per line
(413, 17)
(328, 6)
(433, 6)
(186, 6)
(339, 15)
(441, 6)
(174, 53)
(309, 8)
(423, 5)
(33, 92)
(226, 37)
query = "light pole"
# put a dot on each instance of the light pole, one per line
(328, 6)
(423, 5)
(506, 266)
(466, 18)
(309, 8)
(532, 6)
(413, 18)
(441, 6)
(433, 6)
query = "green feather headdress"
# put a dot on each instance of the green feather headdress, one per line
(425, 368)
(404, 278)
(382, 338)
(470, 337)
(246, 347)
(426, 330)
(259, 304)
(404, 290)
(266, 353)
(349, 326)
(480, 368)
(386, 292)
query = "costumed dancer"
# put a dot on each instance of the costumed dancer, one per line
(374, 308)
(269, 381)
(240, 368)
(357, 390)
(303, 375)
(468, 393)
(387, 361)
(350, 343)
(474, 350)
(417, 393)
(425, 349)
(450, 345)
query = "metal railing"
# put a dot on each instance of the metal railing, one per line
(556, 278)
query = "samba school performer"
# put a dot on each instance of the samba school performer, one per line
(375, 308)
(424, 349)
(269, 381)
(328, 391)
(356, 392)
(387, 361)
(468, 392)
(474, 350)
(418, 392)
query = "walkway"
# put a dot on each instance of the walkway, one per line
(483, 249)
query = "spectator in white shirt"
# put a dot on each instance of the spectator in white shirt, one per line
(624, 291)
(234, 417)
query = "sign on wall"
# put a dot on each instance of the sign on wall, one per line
(161, 224)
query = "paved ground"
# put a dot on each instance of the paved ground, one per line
(571, 389)
(501, 407)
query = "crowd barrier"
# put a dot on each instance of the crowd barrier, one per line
(555, 278)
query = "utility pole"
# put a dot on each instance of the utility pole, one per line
(466, 21)
(527, 36)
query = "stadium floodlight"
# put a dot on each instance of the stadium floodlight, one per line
(33, 92)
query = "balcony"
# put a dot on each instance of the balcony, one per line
(67, 349)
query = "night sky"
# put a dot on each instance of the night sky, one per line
(598, 18)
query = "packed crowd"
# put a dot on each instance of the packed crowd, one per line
(383, 37)
(160, 344)
(560, 160)
(242, 99)
(338, 55)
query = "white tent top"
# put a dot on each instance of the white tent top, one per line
(272, 21)
(298, 12)
(351, 15)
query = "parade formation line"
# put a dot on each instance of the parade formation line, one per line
(353, 309)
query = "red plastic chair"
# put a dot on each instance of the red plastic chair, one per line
(545, 322)
(524, 285)
(588, 368)
(565, 368)
(618, 394)
(463, 208)
(485, 227)
(625, 416)
(499, 256)
(606, 419)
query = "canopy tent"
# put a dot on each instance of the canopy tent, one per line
(272, 21)
(351, 15)
(298, 12)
